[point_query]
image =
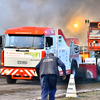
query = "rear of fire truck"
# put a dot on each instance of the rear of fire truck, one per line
(68, 52)
(24, 48)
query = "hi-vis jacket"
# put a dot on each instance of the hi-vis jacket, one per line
(49, 65)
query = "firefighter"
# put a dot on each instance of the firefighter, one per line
(47, 70)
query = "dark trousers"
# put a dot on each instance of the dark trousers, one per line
(48, 86)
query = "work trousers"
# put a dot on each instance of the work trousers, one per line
(48, 86)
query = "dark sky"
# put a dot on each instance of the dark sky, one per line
(55, 14)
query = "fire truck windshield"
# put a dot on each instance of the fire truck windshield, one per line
(94, 32)
(24, 41)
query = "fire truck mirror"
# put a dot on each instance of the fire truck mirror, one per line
(49, 41)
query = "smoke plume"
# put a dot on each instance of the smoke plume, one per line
(56, 14)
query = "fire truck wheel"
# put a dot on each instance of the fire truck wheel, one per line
(10, 80)
(74, 67)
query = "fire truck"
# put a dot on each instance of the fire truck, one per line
(91, 67)
(26, 46)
